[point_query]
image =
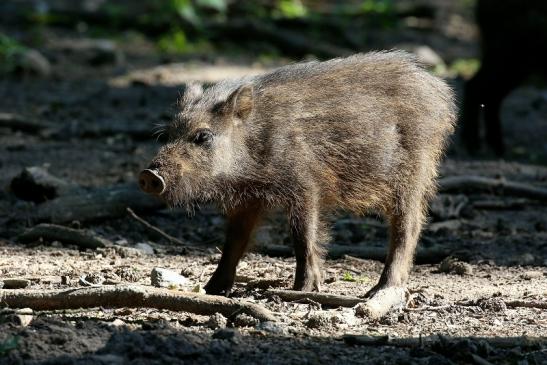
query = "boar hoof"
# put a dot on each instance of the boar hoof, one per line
(216, 287)
(311, 282)
(382, 300)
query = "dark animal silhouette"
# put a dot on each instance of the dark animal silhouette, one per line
(514, 46)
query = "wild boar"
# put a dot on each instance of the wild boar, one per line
(362, 133)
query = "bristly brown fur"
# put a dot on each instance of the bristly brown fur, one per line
(361, 133)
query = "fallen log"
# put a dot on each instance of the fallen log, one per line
(52, 232)
(330, 300)
(132, 296)
(431, 255)
(471, 183)
(95, 204)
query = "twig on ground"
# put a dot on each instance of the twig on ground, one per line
(330, 300)
(154, 228)
(52, 232)
(133, 296)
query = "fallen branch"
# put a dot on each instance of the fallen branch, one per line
(423, 256)
(52, 232)
(133, 296)
(526, 304)
(330, 300)
(499, 186)
(154, 228)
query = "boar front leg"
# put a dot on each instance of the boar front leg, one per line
(240, 225)
(306, 233)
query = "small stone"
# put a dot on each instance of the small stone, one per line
(271, 327)
(216, 321)
(91, 279)
(145, 248)
(128, 252)
(116, 323)
(227, 334)
(15, 283)
(245, 320)
(529, 275)
(452, 265)
(164, 278)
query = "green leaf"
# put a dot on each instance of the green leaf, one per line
(292, 8)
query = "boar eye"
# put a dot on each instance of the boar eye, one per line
(203, 136)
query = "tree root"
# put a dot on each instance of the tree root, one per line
(330, 300)
(119, 296)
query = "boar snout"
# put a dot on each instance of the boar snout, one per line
(151, 182)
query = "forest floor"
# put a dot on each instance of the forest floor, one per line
(472, 312)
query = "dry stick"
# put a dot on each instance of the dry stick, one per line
(330, 300)
(154, 228)
(134, 296)
(481, 183)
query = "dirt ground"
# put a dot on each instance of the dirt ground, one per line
(452, 316)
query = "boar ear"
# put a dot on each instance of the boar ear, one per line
(240, 102)
(192, 91)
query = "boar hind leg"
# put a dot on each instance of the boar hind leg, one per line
(307, 235)
(405, 227)
(240, 225)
